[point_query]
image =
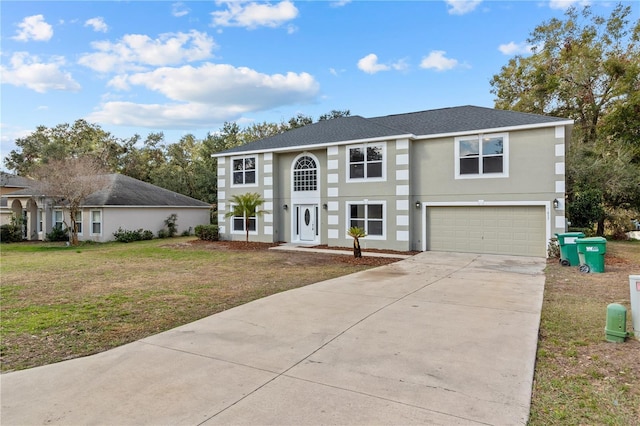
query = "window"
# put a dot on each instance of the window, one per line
(482, 155)
(369, 217)
(366, 161)
(58, 219)
(96, 222)
(239, 223)
(244, 171)
(305, 175)
(39, 218)
(79, 222)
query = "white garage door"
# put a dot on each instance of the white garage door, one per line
(492, 230)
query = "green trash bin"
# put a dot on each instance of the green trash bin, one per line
(569, 248)
(591, 253)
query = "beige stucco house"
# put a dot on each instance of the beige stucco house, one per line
(466, 179)
(125, 203)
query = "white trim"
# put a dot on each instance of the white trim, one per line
(91, 222)
(560, 185)
(481, 203)
(333, 234)
(268, 181)
(402, 235)
(402, 174)
(402, 220)
(480, 136)
(332, 192)
(332, 150)
(560, 168)
(333, 178)
(560, 150)
(364, 146)
(559, 132)
(268, 156)
(402, 205)
(560, 222)
(367, 203)
(221, 171)
(333, 206)
(402, 190)
(332, 164)
(257, 169)
(495, 130)
(402, 144)
(402, 159)
(268, 194)
(268, 168)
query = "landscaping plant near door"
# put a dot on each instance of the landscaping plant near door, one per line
(246, 206)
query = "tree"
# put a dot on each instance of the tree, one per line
(586, 68)
(335, 114)
(356, 233)
(246, 206)
(61, 142)
(68, 182)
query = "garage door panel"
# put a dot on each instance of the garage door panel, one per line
(517, 230)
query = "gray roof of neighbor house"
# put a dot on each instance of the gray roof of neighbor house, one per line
(415, 125)
(121, 190)
(126, 191)
(8, 180)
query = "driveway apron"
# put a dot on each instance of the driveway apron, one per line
(439, 338)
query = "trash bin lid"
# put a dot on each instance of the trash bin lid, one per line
(592, 240)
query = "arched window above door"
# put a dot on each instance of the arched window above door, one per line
(305, 174)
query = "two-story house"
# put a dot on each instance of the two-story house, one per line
(467, 179)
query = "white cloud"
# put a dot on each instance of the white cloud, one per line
(513, 48)
(136, 51)
(339, 3)
(370, 65)
(253, 15)
(205, 94)
(565, 4)
(437, 60)
(34, 28)
(29, 71)
(97, 24)
(461, 7)
(179, 9)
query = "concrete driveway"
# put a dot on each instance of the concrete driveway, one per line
(440, 338)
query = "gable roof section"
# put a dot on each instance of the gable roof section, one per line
(413, 125)
(8, 180)
(126, 191)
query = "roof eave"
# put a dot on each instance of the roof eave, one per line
(497, 129)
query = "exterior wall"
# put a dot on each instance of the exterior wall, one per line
(134, 218)
(535, 177)
(417, 174)
(393, 192)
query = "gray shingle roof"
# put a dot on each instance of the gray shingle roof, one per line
(123, 190)
(126, 191)
(13, 181)
(416, 124)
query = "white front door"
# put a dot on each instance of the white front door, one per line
(307, 221)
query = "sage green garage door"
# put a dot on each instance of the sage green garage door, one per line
(492, 230)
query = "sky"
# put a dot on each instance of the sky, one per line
(137, 67)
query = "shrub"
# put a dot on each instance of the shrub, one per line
(10, 233)
(553, 251)
(163, 233)
(125, 236)
(58, 234)
(172, 225)
(207, 232)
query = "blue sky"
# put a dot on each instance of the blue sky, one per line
(187, 67)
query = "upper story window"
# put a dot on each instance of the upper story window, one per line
(305, 174)
(482, 156)
(244, 171)
(366, 161)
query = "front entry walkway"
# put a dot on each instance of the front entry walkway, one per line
(439, 338)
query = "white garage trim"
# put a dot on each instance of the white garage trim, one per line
(481, 203)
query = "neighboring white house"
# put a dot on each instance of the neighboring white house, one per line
(466, 179)
(125, 203)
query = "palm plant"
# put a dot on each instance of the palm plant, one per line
(356, 233)
(246, 205)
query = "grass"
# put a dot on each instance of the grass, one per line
(59, 302)
(62, 302)
(580, 378)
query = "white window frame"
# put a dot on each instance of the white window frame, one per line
(480, 174)
(366, 220)
(93, 222)
(40, 219)
(364, 147)
(242, 231)
(79, 222)
(243, 158)
(55, 221)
